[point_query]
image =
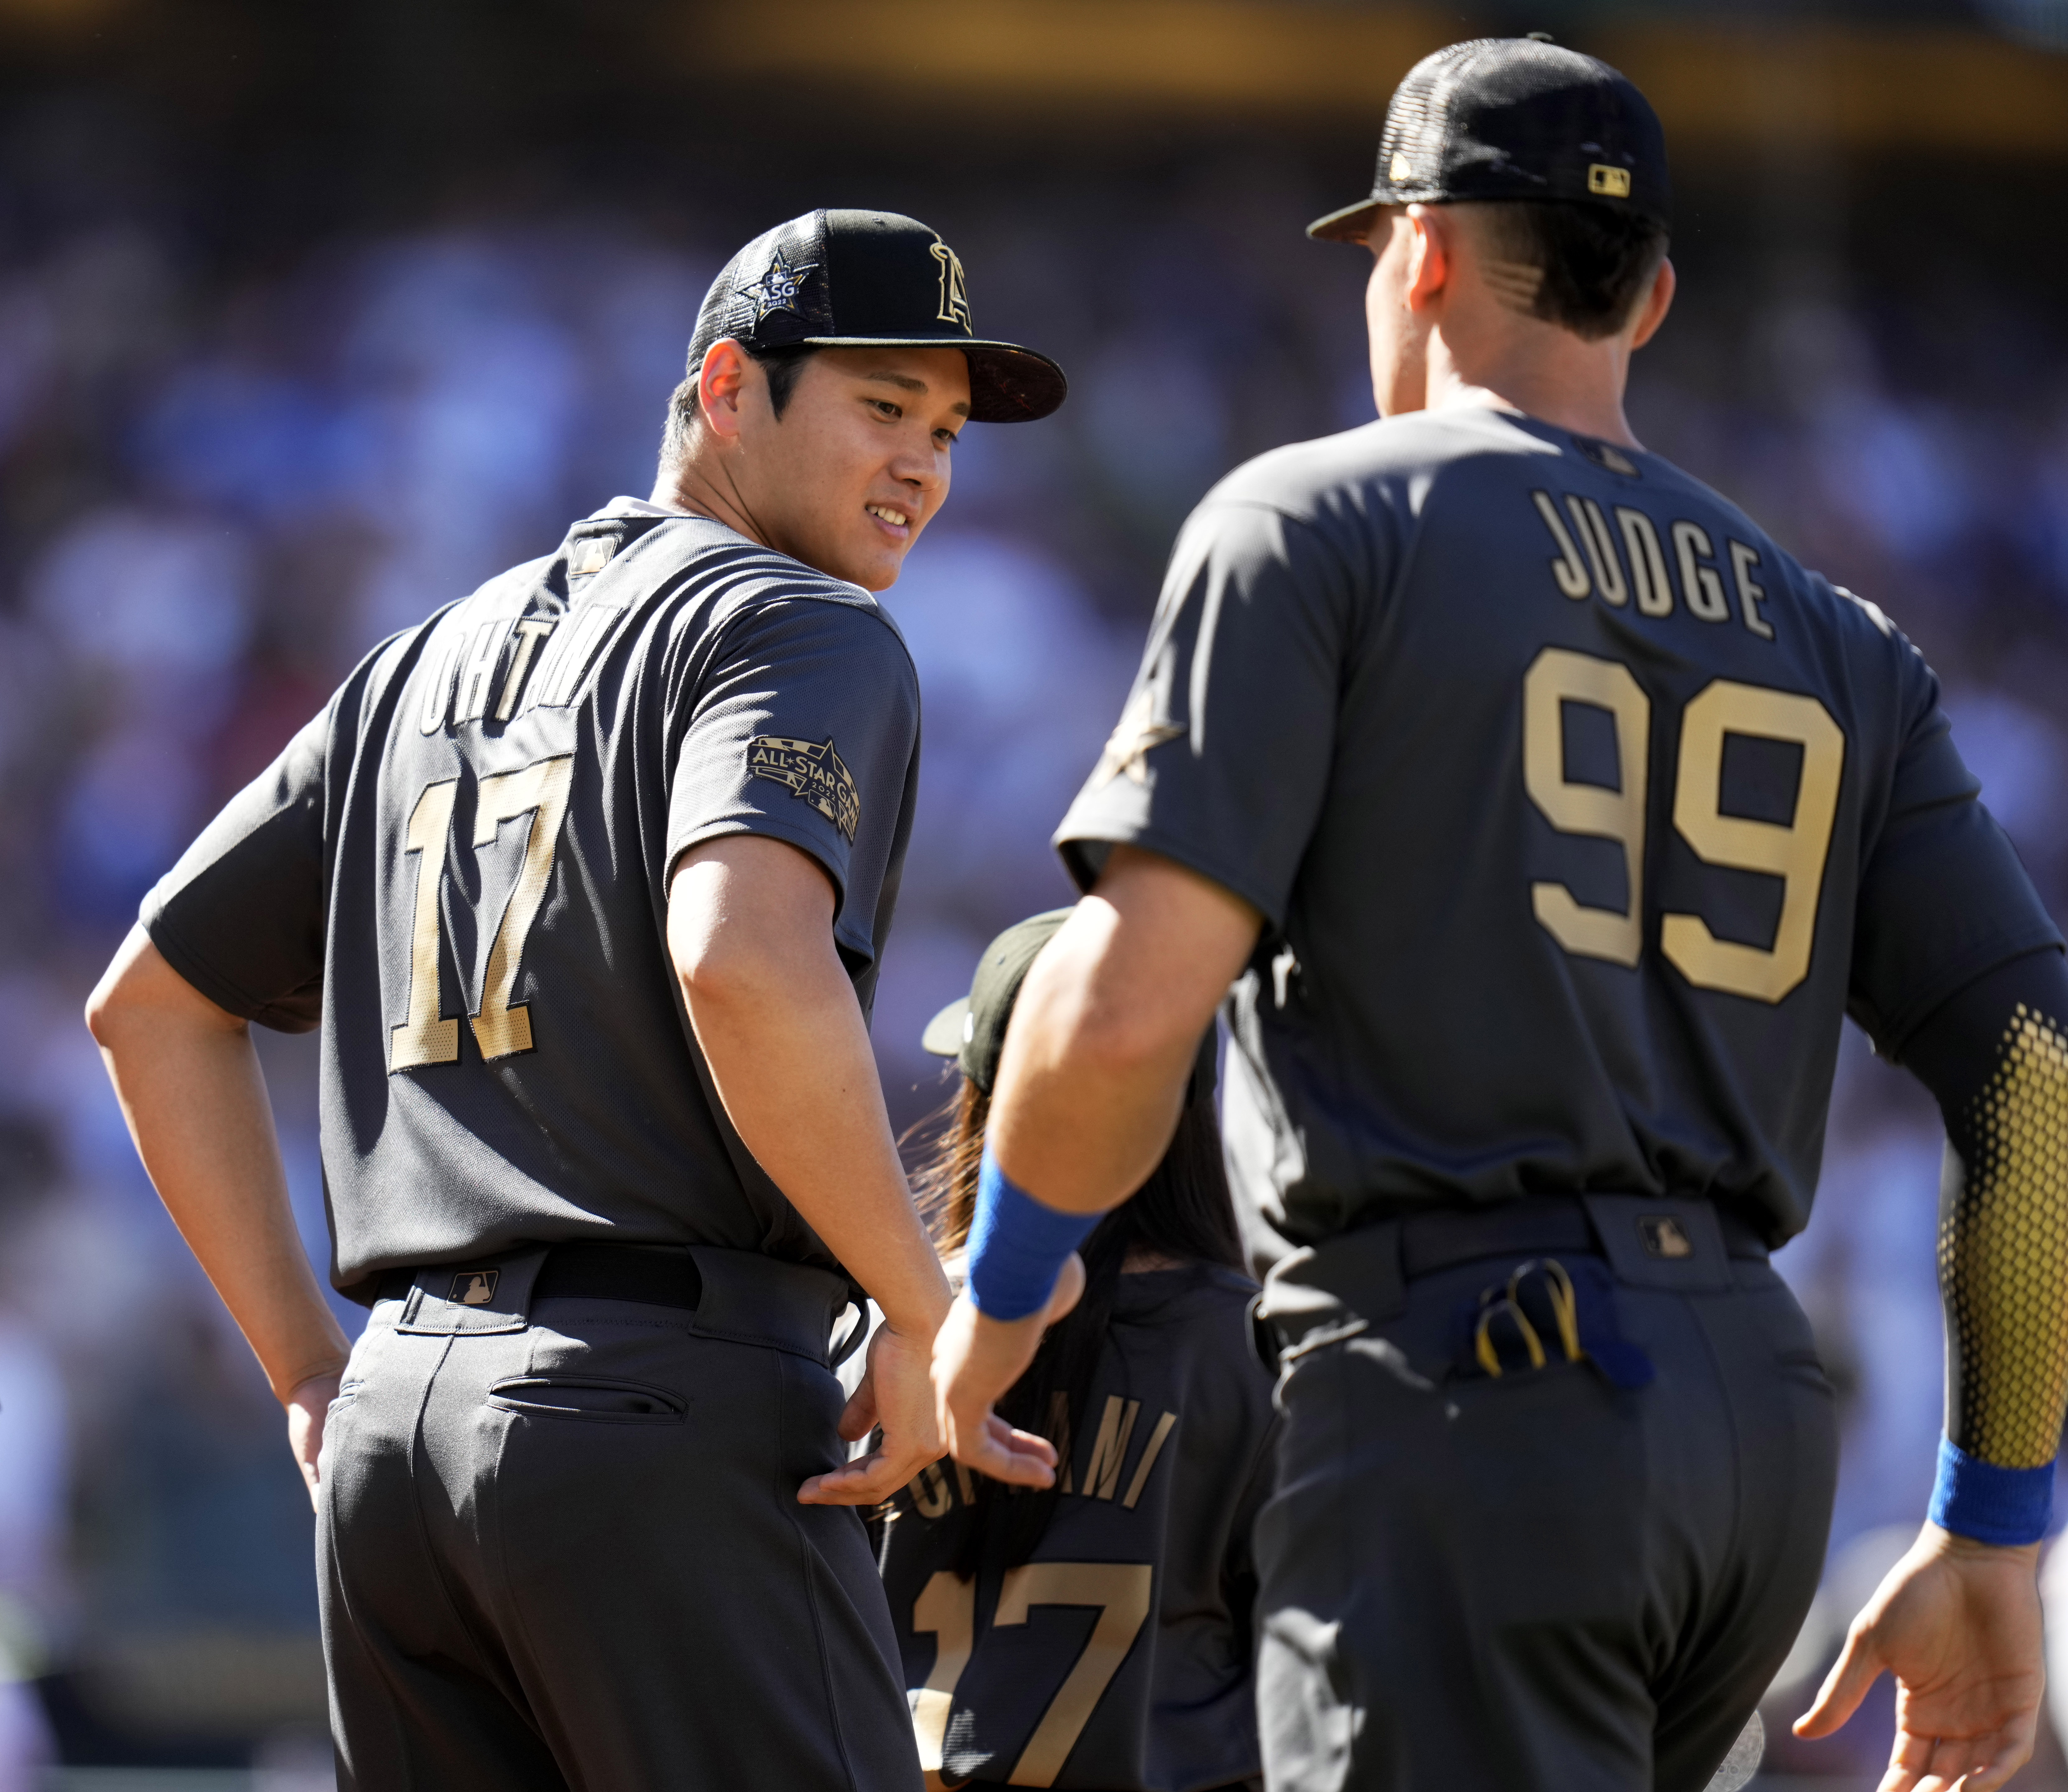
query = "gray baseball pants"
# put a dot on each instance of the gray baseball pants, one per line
(560, 1544)
(1537, 1581)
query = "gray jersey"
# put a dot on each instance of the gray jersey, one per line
(1579, 815)
(1119, 1656)
(460, 868)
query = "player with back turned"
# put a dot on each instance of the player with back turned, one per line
(1552, 819)
(1096, 1633)
(586, 880)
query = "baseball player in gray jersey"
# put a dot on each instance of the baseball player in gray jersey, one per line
(1138, 1676)
(586, 880)
(1550, 818)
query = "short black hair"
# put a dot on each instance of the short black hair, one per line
(1596, 262)
(781, 365)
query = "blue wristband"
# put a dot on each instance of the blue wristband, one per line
(1973, 1498)
(1016, 1246)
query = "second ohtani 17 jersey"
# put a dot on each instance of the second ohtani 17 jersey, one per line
(1119, 1656)
(461, 869)
(1578, 814)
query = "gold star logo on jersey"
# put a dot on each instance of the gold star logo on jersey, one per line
(1133, 736)
(776, 290)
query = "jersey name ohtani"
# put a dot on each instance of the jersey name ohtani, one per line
(934, 1495)
(496, 658)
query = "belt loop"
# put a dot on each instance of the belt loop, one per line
(751, 1299)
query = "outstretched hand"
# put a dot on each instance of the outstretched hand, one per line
(895, 1394)
(1957, 1622)
(976, 1360)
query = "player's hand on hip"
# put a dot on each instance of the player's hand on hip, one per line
(308, 1404)
(976, 1360)
(1957, 1622)
(896, 1394)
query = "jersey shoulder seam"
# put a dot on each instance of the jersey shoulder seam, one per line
(733, 609)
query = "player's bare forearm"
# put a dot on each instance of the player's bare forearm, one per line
(1106, 1029)
(190, 1086)
(750, 927)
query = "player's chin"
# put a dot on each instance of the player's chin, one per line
(880, 577)
(874, 562)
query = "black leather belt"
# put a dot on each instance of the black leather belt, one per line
(1442, 1239)
(655, 1276)
(1674, 1244)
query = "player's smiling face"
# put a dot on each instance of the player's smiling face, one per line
(858, 462)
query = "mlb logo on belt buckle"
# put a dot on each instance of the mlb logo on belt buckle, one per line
(1663, 1236)
(475, 1287)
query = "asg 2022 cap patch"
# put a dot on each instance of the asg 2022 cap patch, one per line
(812, 771)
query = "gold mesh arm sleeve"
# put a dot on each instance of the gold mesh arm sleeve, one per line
(2003, 1228)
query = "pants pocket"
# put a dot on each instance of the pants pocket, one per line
(599, 1400)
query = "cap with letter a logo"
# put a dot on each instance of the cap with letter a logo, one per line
(870, 280)
(1514, 118)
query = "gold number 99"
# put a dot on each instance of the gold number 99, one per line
(1795, 852)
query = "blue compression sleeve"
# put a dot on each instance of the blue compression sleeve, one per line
(1973, 1498)
(1017, 1246)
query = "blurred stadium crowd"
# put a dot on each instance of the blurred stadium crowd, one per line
(220, 485)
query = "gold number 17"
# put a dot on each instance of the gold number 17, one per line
(947, 1607)
(539, 791)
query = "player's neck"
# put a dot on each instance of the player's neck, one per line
(684, 483)
(1539, 369)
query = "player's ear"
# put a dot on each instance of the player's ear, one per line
(1652, 309)
(1429, 255)
(720, 382)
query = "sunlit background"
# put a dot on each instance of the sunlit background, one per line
(308, 327)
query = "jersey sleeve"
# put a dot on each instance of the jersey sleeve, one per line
(1221, 757)
(241, 915)
(1996, 1057)
(1943, 898)
(804, 727)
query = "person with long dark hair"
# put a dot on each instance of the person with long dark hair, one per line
(1097, 1632)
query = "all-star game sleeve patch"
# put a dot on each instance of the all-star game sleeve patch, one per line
(812, 771)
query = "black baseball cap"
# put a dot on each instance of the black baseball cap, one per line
(870, 280)
(971, 1029)
(1514, 118)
